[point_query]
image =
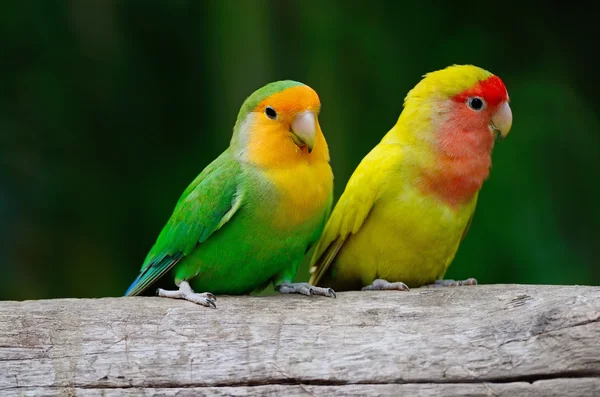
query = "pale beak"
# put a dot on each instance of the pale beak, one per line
(303, 129)
(502, 121)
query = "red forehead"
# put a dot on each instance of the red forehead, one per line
(491, 89)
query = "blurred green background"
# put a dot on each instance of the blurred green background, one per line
(108, 109)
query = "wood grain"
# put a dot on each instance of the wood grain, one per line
(494, 340)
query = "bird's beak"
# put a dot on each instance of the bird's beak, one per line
(502, 121)
(303, 129)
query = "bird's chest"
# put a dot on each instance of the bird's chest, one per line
(297, 197)
(411, 237)
(425, 225)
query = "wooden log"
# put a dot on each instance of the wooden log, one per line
(493, 340)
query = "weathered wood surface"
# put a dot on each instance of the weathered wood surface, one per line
(500, 340)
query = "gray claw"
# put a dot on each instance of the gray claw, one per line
(304, 289)
(211, 303)
(210, 296)
(186, 292)
(452, 283)
(381, 284)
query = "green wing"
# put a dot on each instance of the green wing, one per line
(206, 205)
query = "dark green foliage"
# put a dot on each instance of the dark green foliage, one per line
(101, 102)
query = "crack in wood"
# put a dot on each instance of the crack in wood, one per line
(321, 383)
(494, 339)
(287, 381)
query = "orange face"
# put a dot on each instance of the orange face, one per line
(284, 129)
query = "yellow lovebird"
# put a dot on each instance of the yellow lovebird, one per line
(410, 201)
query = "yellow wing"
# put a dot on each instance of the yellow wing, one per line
(362, 192)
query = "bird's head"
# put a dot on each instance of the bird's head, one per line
(451, 119)
(467, 107)
(278, 124)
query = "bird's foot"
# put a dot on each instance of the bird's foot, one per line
(304, 289)
(384, 285)
(452, 283)
(186, 292)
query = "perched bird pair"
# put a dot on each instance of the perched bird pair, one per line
(250, 217)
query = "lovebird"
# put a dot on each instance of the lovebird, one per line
(252, 214)
(410, 201)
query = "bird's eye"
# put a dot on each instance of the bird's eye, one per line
(476, 103)
(271, 113)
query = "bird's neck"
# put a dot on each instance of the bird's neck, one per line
(455, 180)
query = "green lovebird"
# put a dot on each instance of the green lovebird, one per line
(252, 214)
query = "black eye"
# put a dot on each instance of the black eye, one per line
(271, 113)
(476, 103)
